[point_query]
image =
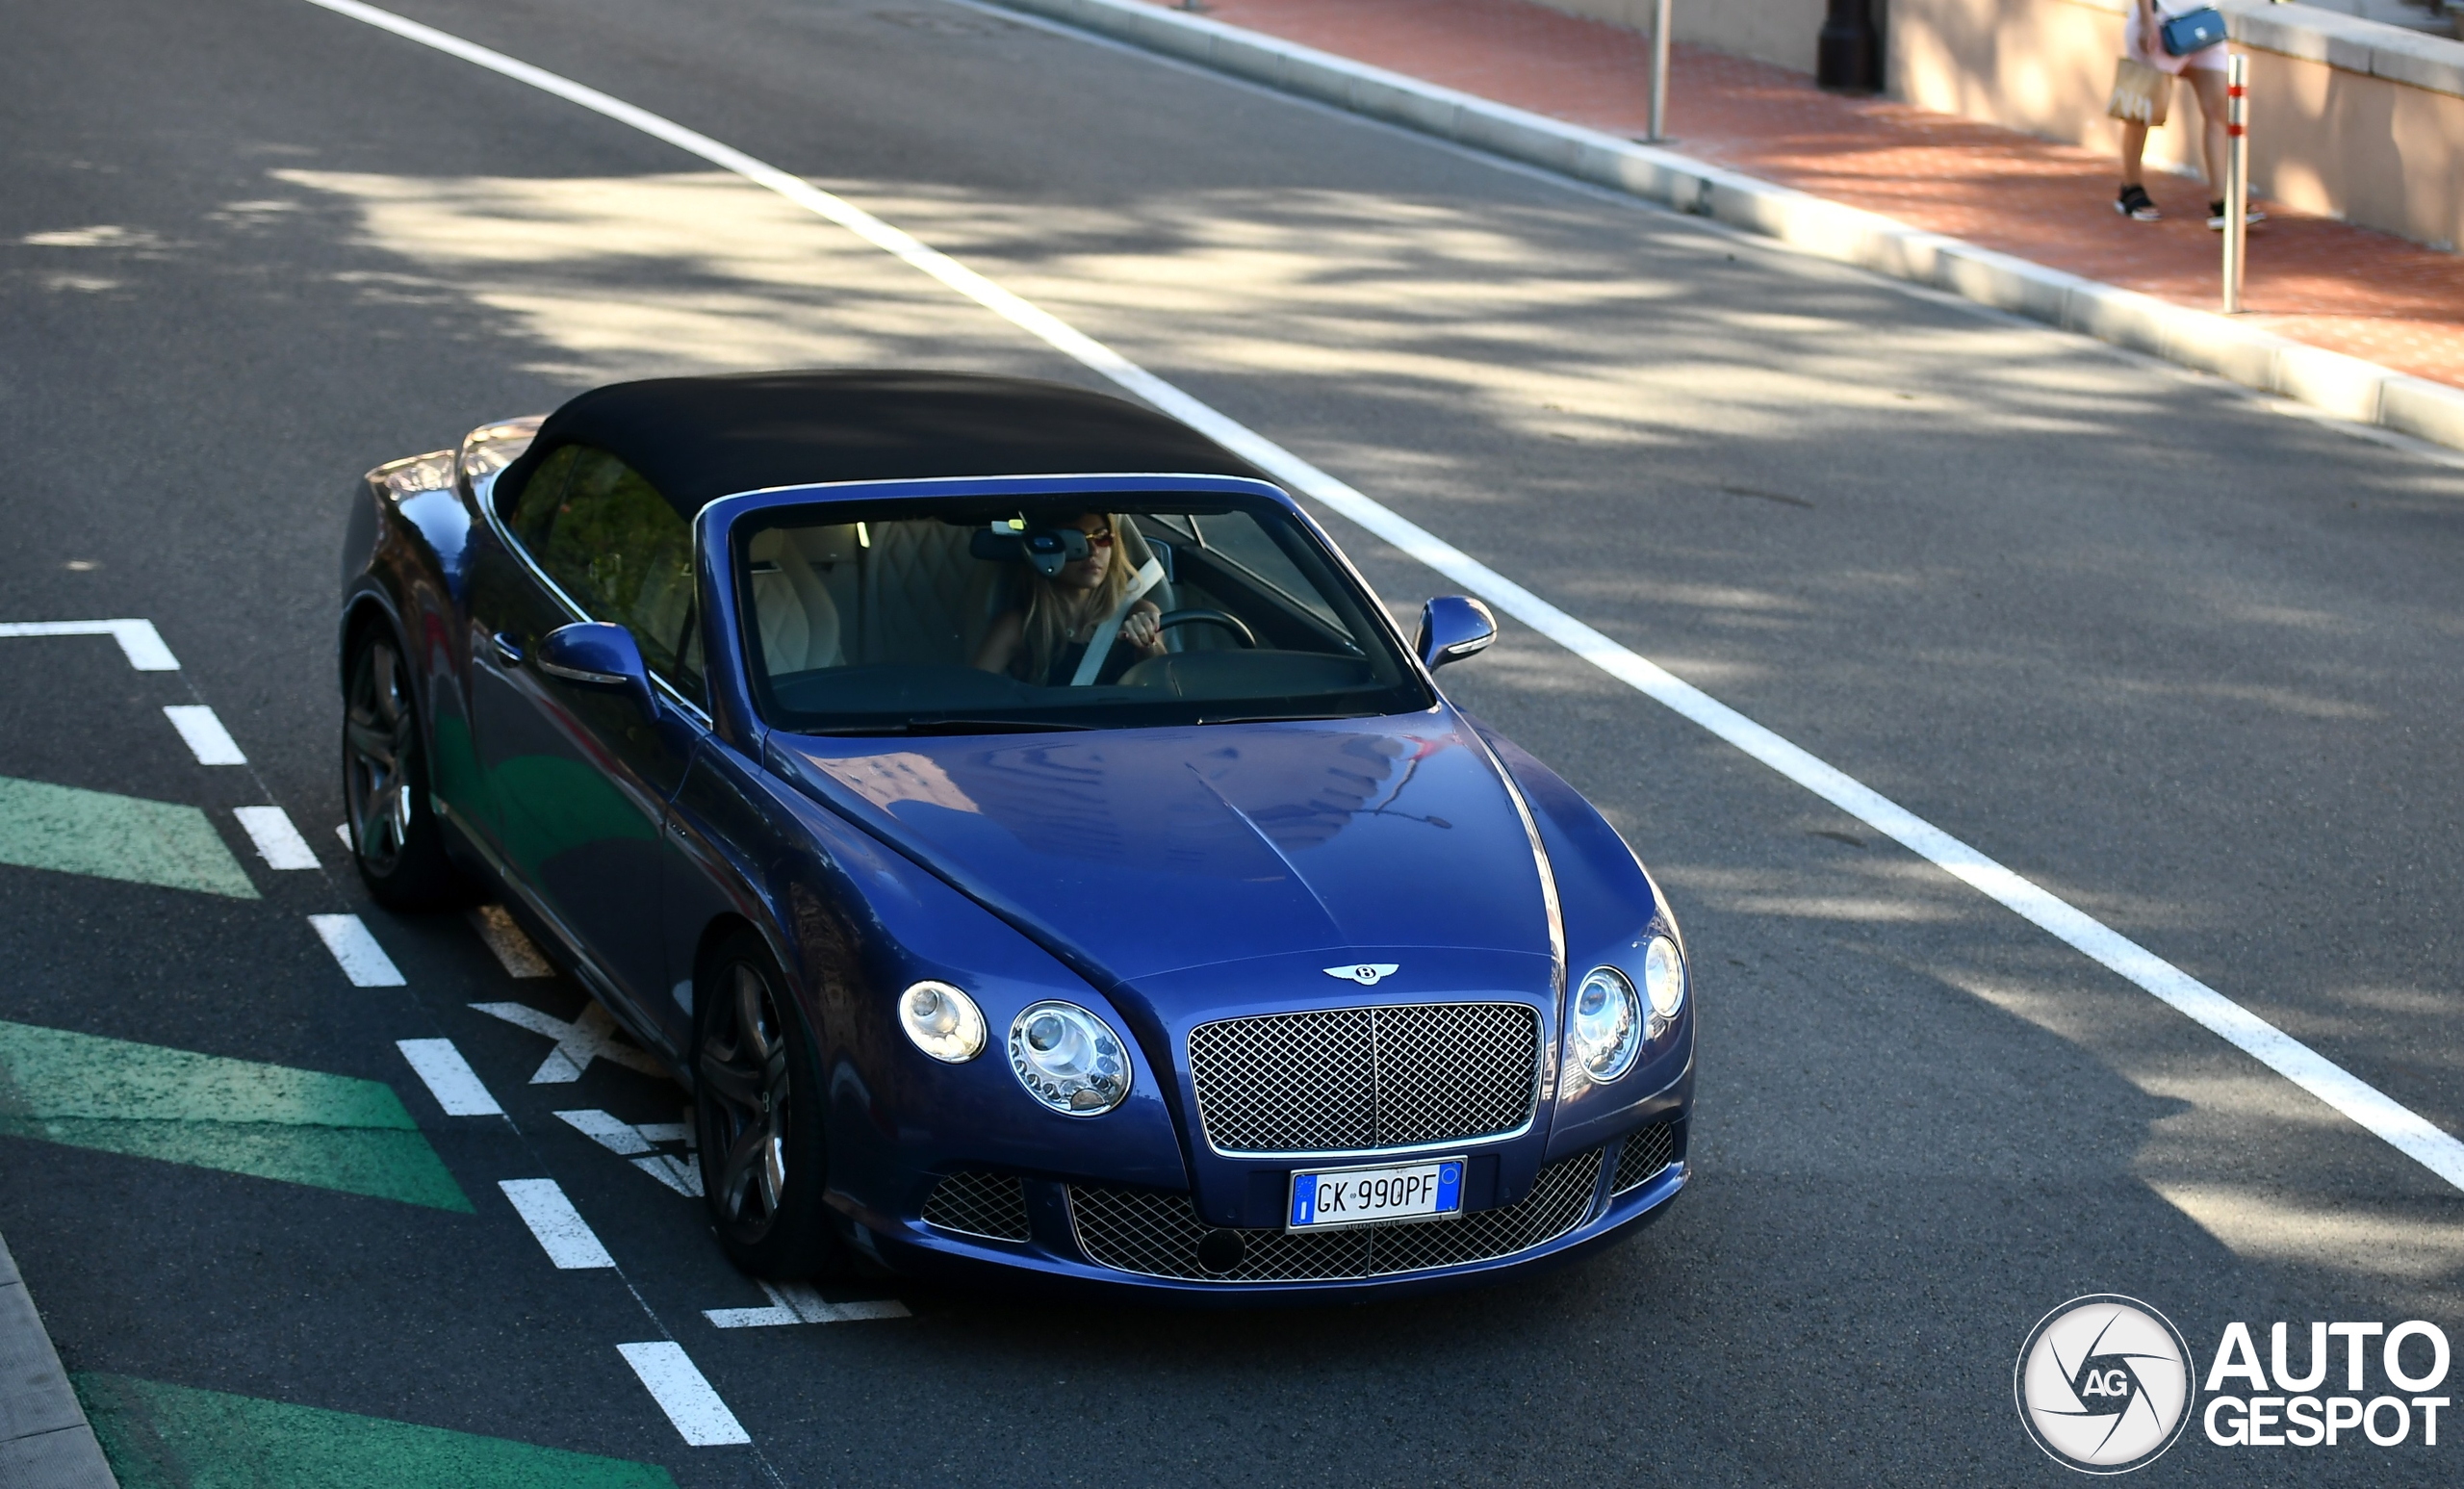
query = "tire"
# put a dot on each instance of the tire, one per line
(757, 1099)
(394, 838)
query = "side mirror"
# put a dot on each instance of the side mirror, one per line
(1451, 629)
(596, 654)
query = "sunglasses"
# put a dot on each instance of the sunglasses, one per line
(1101, 537)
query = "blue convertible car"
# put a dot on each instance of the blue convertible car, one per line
(1022, 830)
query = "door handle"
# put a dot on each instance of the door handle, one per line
(508, 650)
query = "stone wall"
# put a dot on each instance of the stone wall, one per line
(1772, 30)
(2348, 117)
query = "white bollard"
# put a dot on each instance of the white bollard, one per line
(1659, 73)
(2237, 179)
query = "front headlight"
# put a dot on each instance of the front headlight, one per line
(943, 1021)
(1069, 1059)
(1664, 978)
(1605, 1028)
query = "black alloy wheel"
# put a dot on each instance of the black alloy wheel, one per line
(756, 1095)
(393, 833)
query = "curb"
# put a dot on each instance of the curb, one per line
(2344, 386)
(46, 1442)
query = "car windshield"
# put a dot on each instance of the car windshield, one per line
(964, 615)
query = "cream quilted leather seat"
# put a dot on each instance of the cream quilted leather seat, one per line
(799, 621)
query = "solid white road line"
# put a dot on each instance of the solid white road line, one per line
(139, 641)
(450, 1078)
(794, 1302)
(561, 1231)
(277, 841)
(207, 740)
(363, 960)
(590, 1037)
(682, 1393)
(514, 951)
(2406, 1130)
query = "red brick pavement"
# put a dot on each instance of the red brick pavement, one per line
(2324, 282)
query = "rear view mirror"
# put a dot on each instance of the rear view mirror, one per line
(596, 654)
(1451, 629)
(1015, 542)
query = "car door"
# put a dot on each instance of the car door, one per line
(580, 778)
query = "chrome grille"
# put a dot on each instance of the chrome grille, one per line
(1647, 1151)
(991, 1205)
(1157, 1235)
(1348, 1080)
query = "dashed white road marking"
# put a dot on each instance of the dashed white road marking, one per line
(681, 1391)
(514, 951)
(590, 1037)
(207, 740)
(611, 1133)
(342, 830)
(277, 841)
(627, 1139)
(139, 641)
(362, 960)
(793, 1302)
(450, 1078)
(561, 1231)
(2403, 1129)
(680, 1174)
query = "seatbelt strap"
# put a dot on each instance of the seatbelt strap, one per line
(1148, 576)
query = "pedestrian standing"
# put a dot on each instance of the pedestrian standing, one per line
(2143, 38)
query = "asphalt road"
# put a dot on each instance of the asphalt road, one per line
(2180, 657)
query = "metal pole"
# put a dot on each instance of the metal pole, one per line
(1659, 73)
(2237, 178)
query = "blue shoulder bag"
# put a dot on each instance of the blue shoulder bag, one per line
(2183, 35)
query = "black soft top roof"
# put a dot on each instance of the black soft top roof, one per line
(698, 439)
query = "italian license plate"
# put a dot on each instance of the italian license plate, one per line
(1331, 1199)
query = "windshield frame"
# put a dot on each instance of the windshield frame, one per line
(725, 527)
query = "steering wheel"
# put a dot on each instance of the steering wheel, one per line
(1223, 618)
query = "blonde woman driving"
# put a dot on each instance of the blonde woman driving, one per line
(1045, 638)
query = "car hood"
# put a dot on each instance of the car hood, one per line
(1139, 852)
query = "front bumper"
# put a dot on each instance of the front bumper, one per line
(1131, 1243)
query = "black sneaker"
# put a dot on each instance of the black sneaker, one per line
(2252, 217)
(2135, 203)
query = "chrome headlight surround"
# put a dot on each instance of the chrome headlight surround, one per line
(1603, 1026)
(1069, 1059)
(1664, 983)
(943, 1021)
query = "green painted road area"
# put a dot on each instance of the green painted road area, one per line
(272, 1121)
(161, 1436)
(126, 837)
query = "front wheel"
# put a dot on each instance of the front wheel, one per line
(395, 839)
(756, 1097)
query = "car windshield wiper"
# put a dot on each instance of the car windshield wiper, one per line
(957, 727)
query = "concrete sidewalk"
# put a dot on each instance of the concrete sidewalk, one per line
(44, 1440)
(2362, 324)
